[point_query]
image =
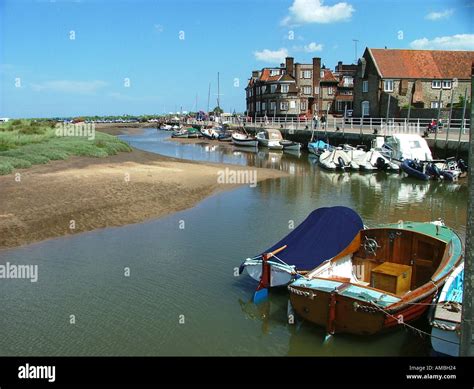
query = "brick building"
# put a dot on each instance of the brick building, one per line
(296, 89)
(409, 77)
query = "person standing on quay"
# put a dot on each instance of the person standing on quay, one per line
(323, 122)
(315, 120)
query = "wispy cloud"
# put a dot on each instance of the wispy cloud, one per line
(439, 15)
(452, 42)
(271, 56)
(313, 47)
(314, 11)
(69, 86)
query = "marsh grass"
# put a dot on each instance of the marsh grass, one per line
(24, 143)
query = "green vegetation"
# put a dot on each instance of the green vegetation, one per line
(24, 143)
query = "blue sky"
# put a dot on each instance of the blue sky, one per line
(129, 57)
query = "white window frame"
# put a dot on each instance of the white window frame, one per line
(273, 88)
(292, 104)
(365, 108)
(321, 74)
(316, 90)
(258, 106)
(446, 84)
(303, 105)
(434, 104)
(436, 84)
(307, 89)
(348, 81)
(263, 89)
(365, 86)
(284, 88)
(307, 74)
(283, 105)
(274, 72)
(386, 84)
(330, 90)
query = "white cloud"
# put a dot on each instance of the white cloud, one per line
(439, 15)
(271, 56)
(158, 28)
(312, 47)
(314, 11)
(70, 86)
(453, 42)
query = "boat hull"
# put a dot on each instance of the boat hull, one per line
(246, 142)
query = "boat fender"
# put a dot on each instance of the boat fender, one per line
(462, 165)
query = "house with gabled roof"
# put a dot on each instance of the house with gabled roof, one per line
(388, 80)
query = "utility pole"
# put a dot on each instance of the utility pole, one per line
(467, 334)
(355, 49)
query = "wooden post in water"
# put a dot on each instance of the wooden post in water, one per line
(437, 117)
(467, 335)
(448, 127)
(462, 121)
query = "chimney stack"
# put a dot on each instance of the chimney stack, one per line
(316, 84)
(255, 74)
(289, 64)
(339, 66)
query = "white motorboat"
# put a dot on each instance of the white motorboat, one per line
(270, 139)
(240, 139)
(289, 145)
(405, 146)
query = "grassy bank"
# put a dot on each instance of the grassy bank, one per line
(24, 143)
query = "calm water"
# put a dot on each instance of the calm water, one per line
(182, 297)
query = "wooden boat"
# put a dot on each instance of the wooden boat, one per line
(246, 140)
(323, 234)
(211, 133)
(193, 132)
(386, 277)
(270, 139)
(445, 318)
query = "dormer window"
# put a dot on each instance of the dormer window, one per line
(274, 72)
(436, 84)
(284, 88)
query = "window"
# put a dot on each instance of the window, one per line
(346, 92)
(365, 86)
(316, 90)
(284, 88)
(447, 84)
(274, 72)
(436, 84)
(348, 81)
(303, 106)
(388, 86)
(258, 106)
(434, 104)
(321, 74)
(272, 105)
(264, 106)
(365, 108)
(292, 104)
(306, 74)
(273, 88)
(263, 89)
(307, 90)
(284, 106)
(330, 90)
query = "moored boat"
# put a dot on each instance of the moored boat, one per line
(387, 276)
(319, 147)
(289, 145)
(337, 159)
(240, 139)
(180, 133)
(270, 139)
(324, 233)
(445, 318)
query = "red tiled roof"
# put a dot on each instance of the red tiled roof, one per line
(328, 76)
(266, 76)
(432, 64)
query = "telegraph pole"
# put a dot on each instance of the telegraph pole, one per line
(467, 334)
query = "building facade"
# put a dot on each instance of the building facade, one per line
(296, 90)
(389, 80)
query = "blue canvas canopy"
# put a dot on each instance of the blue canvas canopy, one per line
(322, 235)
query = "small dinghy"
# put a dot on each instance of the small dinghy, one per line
(210, 133)
(337, 160)
(324, 233)
(445, 318)
(319, 147)
(183, 133)
(246, 140)
(289, 145)
(193, 132)
(415, 169)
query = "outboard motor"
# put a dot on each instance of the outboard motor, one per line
(433, 171)
(381, 164)
(342, 164)
(462, 165)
